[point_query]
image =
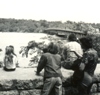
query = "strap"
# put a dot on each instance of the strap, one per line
(76, 54)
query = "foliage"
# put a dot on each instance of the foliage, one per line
(22, 25)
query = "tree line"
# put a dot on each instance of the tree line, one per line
(33, 26)
(22, 25)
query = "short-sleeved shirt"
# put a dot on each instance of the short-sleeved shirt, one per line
(72, 46)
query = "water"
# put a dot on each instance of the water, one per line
(18, 40)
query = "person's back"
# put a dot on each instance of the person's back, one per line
(10, 60)
(53, 65)
(73, 46)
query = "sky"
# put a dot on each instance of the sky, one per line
(52, 10)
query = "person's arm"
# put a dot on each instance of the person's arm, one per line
(16, 61)
(41, 64)
(64, 53)
(5, 60)
(84, 61)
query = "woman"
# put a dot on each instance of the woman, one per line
(10, 59)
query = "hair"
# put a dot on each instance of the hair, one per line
(72, 37)
(8, 50)
(31, 44)
(12, 48)
(45, 48)
(86, 42)
(52, 48)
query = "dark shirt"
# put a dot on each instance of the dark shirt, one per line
(90, 59)
(51, 64)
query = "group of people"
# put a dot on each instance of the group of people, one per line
(79, 56)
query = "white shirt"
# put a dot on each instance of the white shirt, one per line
(73, 46)
(10, 64)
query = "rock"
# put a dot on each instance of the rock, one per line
(12, 92)
(6, 85)
(31, 92)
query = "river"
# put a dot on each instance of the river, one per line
(18, 40)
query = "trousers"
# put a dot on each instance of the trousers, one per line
(52, 83)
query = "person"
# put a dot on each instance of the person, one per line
(10, 59)
(51, 62)
(72, 51)
(12, 50)
(87, 66)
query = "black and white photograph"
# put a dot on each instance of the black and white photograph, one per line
(49, 47)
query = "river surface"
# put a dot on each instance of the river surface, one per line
(18, 40)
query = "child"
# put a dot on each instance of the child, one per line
(10, 59)
(72, 51)
(51, 62)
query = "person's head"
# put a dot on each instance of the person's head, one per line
(86, 42)
(52, 48)
(72, 37)
(31, 44)
(12, 48)
(8, 50)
